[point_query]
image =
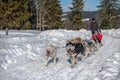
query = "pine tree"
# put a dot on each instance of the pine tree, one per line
(107, 13)
(14, 13)
(50, 13)
(32, 9)
(76, 13)
(53, 14)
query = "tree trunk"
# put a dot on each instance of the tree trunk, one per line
(6, 31)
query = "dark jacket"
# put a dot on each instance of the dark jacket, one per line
(93, 26)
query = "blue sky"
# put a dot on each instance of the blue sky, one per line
(89, 5)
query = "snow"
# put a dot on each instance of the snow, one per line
(22, 56)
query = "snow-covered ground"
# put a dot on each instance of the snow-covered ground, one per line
(22, 56)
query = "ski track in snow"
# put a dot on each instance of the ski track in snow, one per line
(31, 64)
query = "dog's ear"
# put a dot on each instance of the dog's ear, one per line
(82, 41)
(48, 45)
(67, 41)
(53, 46)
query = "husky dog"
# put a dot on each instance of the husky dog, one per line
(50, 52)
(92, 45)
(89, 46)
(74, 47)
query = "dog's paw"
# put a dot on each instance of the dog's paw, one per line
(72, 66)
(54, 63)
(46, 64)
(101, 44)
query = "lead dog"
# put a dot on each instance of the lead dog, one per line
(50, 52)
(74, 47)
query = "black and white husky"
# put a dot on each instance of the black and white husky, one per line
(73, 49)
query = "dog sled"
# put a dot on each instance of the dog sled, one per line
(97, 37)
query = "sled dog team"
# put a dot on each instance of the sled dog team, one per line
(74, 47)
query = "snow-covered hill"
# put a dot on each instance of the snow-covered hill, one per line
(22, 56)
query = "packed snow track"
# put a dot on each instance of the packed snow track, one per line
(22, 56)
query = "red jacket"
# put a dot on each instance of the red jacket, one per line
(99, 36)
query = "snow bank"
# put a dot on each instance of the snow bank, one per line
(17, 48)
(112, 32)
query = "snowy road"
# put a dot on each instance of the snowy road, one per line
(22, 57)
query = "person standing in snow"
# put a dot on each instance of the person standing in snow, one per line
(95, 30)
(93, 26)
